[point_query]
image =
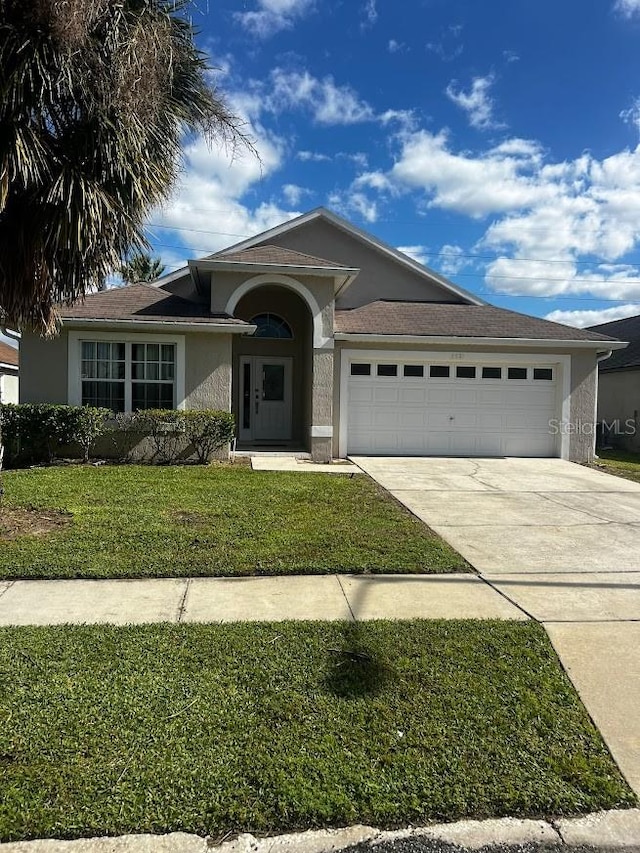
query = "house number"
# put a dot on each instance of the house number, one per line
(457, 356)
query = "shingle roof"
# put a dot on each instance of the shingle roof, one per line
(387, 317)
(8, 354)
(626, 330)
(142, 303)
(277, 256)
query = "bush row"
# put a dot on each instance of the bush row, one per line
(38, 433)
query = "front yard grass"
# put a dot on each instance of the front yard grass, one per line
(619, 462)
(280, 726)
(143, 521)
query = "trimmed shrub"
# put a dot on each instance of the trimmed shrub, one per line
(163, 428)
(32, 433)
(208, 430)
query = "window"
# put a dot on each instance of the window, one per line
(413, 370)
(517, 373)
(439, 371)
(464, 372)
(387, 370)
(124, 376)
(545, 373)
(152, 376)
(361, 370)
(492, 373)
(272, 326)
(103, 374)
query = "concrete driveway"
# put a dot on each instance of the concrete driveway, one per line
(560, 541)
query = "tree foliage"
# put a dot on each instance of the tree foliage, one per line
(96, 98)
(141, 267)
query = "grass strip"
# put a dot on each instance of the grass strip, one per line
(281, 726)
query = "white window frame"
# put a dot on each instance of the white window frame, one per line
(76, 339)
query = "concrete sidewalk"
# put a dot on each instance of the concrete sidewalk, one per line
(321, 597)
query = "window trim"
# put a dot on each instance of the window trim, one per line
(74, 361)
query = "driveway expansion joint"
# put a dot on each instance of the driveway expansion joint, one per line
(5, 586)
(346, 598)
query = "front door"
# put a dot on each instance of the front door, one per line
(265, 398)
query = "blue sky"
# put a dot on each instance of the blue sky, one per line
(496, 142)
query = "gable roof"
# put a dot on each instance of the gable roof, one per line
(627, 329)
(277, 256)
(344, 225)
(9, 355)
(144, 303)
(435, 319)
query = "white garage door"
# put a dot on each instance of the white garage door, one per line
(412, 406)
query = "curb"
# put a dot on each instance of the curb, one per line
(615, 830)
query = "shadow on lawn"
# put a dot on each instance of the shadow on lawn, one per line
(355, 670)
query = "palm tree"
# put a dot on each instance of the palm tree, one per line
(96, 97)
(141, 267)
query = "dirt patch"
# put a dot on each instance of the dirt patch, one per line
(190, 518)
(20, 521)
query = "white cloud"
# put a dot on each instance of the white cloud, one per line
(451, 259)
(632, 114)
(418, 253)
(594, 317)
(370, 14)
(272, 16)
(313, 157)
(627, 8)
(477, 103)
(294, 194)
(352, 201)
(395, 46)
(328, 103)
(448, 45)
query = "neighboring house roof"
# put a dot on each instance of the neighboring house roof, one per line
(144, 303)
(389, 317)
(277, 256)
(626, 330)
(347, 227)
(9, 355)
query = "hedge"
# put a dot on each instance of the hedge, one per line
(37, 433)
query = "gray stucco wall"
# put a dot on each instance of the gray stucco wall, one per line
(380, 276)
(43, 369)
(619, 400)
(584, 374)
(208, 371)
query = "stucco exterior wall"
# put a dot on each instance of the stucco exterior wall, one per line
(43, 369)
(208, 371)
(619, 404)
(584, 385)
(380, 277)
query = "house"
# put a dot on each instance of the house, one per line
(619, 385)
(320, 337)
(9, 366)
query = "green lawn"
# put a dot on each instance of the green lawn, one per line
(269, 727)
(144, 521)
(619, 462)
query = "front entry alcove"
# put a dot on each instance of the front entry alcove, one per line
(272, 371)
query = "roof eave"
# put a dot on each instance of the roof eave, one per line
(164, 325)
(4, 365)
(248, 266)
(453, 340)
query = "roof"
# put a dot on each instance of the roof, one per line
(627, 329)
(388, 317)
(347, 227)
(143, 303)
(277, 256)
(8, 354)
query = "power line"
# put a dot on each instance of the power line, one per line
(456, 255)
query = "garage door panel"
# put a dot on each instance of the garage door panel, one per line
(452, 416)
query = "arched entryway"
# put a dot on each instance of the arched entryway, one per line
(272, 369)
